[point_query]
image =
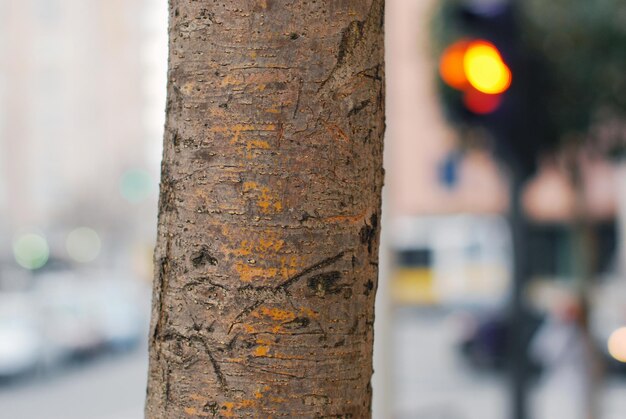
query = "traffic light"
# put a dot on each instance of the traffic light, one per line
(489, 83)
(475, 69)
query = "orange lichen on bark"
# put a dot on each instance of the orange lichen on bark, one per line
(244, 249)
(308, 312)
(250, 186)
(271, 241)
(268, 242)
(252, 269)
(275, 314)
(259, 393)
(266, 201)
(288, 266)
(248, 273)
(253, 148)
(237, 129)
(231, 409)
(243, 127)
(258, 144)
(261, 351)
(247, 403)
(227, 409)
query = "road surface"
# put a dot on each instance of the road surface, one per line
(429, 381)
(110, 387)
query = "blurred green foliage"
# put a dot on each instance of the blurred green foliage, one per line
(582, 45)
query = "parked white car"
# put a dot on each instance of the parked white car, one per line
(20, 341)
(122, 311)
(69, 321)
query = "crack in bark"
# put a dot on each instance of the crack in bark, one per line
(198, 338)
(161, 290)
(358, 108)
(320, 265)
(297, 107)
(167, 386)
(216, 366)
(281, 287)
(244, 313)
(203, 281)
(317, 322)
(284, 374)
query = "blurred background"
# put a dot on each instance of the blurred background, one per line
(505, 211)
(502, 258)
(82, 99)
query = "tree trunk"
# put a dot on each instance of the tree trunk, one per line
(267, 251)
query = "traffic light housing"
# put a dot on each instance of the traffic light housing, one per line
(476, 69)
(488, 83)
(474, 61)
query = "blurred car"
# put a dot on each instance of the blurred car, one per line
(20, 341)
(68, 318)
(86, 312)
(67, 315)
(122, 312)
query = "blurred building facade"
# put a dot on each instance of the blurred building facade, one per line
(81, 110)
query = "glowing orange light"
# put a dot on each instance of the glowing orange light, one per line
(451, 65)
(617, 344)
(484, 68)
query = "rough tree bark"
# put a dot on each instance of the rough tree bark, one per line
(266, 260)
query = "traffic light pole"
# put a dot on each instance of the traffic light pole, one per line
(520, 324)
(518, 332)
(493, 100)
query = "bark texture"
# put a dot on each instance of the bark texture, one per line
(267, 253)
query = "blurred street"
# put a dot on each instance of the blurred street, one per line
(432, 381)
(111, 387)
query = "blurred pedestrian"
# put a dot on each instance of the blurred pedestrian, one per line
(561, 347)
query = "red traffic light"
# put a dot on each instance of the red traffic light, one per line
(476, 68)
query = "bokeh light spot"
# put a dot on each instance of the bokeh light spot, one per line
(83, 244)
(485, 70)
(451, 65)
(31, 251)
(481, 103)
(617, 344)
(136, 186)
